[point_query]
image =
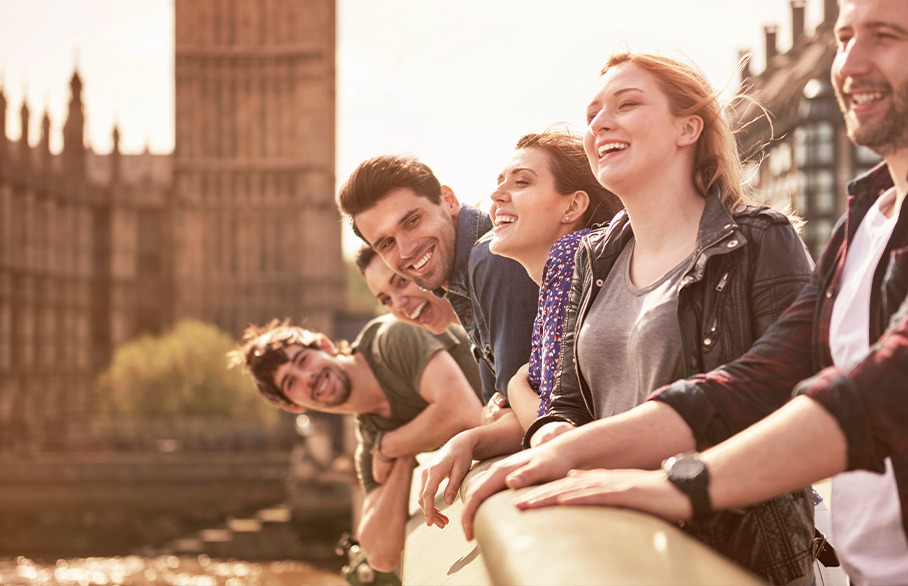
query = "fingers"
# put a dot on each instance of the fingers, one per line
(459, 469)
(431, 479)
(494, 409)
(558, 491)
(491, 482)
(440, 519)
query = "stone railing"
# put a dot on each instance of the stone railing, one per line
(559, 545)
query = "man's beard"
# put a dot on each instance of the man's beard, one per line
(346, 387)
(887, 135)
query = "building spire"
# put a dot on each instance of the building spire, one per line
(74, 131)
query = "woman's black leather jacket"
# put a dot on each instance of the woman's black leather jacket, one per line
(749, 265)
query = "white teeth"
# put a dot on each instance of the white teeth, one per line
(864, 98)
(321, 387)
(503, 219)
(415, 313)
(612, 146)
(421, 262)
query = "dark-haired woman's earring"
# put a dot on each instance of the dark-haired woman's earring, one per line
(567, 218)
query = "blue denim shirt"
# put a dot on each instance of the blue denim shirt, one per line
(495, 300)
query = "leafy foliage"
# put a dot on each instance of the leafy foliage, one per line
(181, 373)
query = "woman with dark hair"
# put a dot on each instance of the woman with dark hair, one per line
(546, 200)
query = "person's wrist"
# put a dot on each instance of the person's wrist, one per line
(376, 448)
(689, 474)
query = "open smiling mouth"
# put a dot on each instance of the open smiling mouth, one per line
(414, 315)
(611, 147)
(419, 264)
(503, 220)
(321, 385)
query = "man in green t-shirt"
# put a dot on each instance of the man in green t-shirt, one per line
(410, 391)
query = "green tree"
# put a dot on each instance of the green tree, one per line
(180, 373)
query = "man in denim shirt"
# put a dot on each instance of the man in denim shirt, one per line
(398, 206)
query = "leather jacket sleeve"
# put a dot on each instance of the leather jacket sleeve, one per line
(566, 402)
(781, 269)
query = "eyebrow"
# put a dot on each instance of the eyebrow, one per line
(628, 89)
(400, 222)
(874, 26)
(887, 25)
(501, 176)
(596, 102)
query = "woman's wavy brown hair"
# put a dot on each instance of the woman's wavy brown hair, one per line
(717, 163)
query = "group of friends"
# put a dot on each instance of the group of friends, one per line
(629, 327)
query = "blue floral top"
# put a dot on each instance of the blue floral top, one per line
(547, 329)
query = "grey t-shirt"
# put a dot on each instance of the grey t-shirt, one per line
(398, 354)
(630, 343)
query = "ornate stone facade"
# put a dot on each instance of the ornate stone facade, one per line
(237, 226)
(258, 234)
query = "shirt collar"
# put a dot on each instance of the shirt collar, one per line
(472, 223)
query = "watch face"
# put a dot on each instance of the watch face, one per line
(686, 467)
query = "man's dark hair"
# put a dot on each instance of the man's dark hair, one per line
(374, 178)
(261, 353)
(364, 257)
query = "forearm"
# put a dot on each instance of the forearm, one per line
(384, 519)
(503, 436)
(799, 444)
(639, 438)
(523, 399)
(429, 430)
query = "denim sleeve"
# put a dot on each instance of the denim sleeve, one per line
(504, 301)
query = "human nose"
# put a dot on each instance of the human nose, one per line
(398, 302)
(498, 196)
(852, 59)
(407, 246)
(599, 121)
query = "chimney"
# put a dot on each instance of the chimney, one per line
(744, 63)
(770, 32)
(830, 12)
(797, 25)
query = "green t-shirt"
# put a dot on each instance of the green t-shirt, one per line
(398, 353)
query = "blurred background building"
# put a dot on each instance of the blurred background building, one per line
(236, 226)
(800, 157)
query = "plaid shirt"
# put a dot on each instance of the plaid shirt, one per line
(869, 399)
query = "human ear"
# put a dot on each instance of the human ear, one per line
(579, 201)
(691, 128)
(327, 345)
(449, 200)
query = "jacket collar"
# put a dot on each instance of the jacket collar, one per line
(716, 225)
(472, 223)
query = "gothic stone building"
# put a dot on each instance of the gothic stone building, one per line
(806, 158)
(237, 226)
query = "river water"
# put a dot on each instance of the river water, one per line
(167, 570)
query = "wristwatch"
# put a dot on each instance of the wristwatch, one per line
(688, 472)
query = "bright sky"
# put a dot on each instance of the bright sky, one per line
(455, 83)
